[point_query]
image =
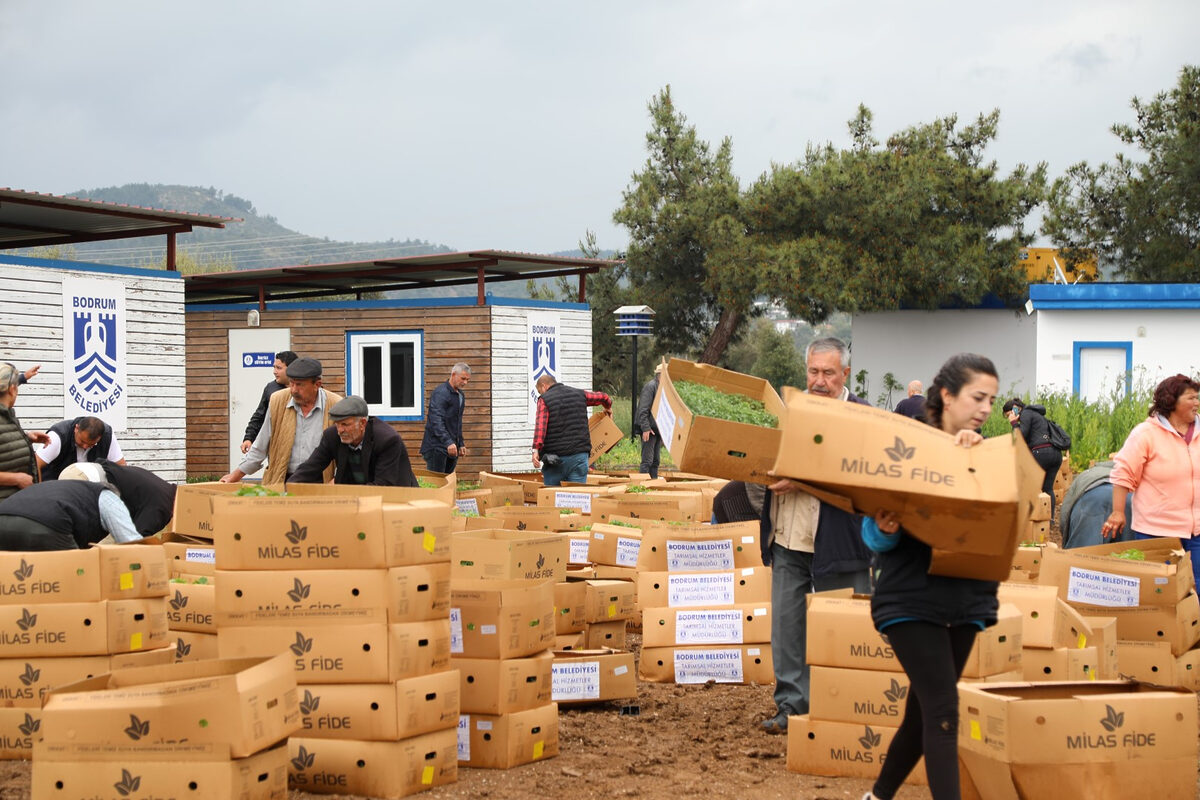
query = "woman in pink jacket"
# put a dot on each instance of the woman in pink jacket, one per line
(1160, 464)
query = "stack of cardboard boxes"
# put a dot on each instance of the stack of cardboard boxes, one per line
(502, 632)
(356, 592)
(69, 615)
(1060, 644)
(1152, 600)
(210, 729)
(191, 609)
(705, 601)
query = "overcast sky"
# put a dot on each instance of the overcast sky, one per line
(517, 125)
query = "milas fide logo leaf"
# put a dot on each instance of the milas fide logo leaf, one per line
(303, 759)
(24, 571)
(30, 676)
(298, 533)
(870, 738)
(178, 601)
(27, 620)
(1113, 720)
(310, 703)
(137, 729)
(541, 560)
(182, 649)
(299, 590)
(301, 645)
(896, 693)
(129, 783)
(30, 726)
(899, 451)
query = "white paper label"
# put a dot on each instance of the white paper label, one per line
(456, 640)
(692, 556)
(747, 540)
(621, 670)
(580, 500)
(468, 506)
(708, 627)
(200, 555)
(665, 419)
(701, 666)
(579, 551)
(483, 725)
(464, 737)
(575, 680)
(760, 612)
(627, 551)
(1102, 588)
(487, 630)
(700, 590)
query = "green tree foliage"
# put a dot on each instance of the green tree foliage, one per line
(1141, 215)
(682, 203)
(921, 221)
(766, 353)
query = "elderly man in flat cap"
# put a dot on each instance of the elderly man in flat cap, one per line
(365, 450)
(293, 427)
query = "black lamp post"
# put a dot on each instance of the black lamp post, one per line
(634, 321)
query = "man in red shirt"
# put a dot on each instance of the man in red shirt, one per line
(561, 439)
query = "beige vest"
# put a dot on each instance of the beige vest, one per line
(283, 434)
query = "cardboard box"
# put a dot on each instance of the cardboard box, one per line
(588, 676)
(501, 686)
(608, 601)
(604, 433)
(191, 607)
(440, 491)
(524, 518)
(419, 592)
(416, 532)
(972, 501)
(262, 776)
(716, 447)
(25, 682)
(841, 633)
(508, 555)
(862, 696)
(1068, 740)
(298, 532)
(1178, 626)
(663, 506)
(1041, 511)
(1036, 530)
(508, 740)
(704, 589)
(193, 507)
(1046, 620)
(501, 619)
(380, 711)
(615, 545)
(301, 597)
(606, 572)
(108, 572)
(20, 727)
(841, 749)
(418, 648)
(572, 522)
(83, 629)
(234, 708)
(480, 501)
(319, 653)
(188, 555)
(373, 769)
(700, 548)
(1153, 662)
(1059, 664)
(597, 635)
(745, 622)
(530, 482)
(569, 599)
(997, 649)
(576, 497)
(191, 646)
(1091, 576)
(1027, 563)
(748, 663)
(1104, 639)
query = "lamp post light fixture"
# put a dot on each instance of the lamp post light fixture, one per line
(634, 321)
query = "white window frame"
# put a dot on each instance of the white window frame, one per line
(357, 340)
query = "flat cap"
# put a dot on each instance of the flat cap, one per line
(304, 369)
(347, 407)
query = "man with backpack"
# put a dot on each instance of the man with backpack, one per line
(1046, 439)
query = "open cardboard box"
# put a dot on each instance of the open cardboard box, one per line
(380, 711)
(698, 548)
(509, 555)
(604, 433)
(102, 572)
(1092, 576)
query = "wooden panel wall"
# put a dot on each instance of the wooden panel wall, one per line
(451, 334)
(31, 333)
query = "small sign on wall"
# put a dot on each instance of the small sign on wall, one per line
(258, 359)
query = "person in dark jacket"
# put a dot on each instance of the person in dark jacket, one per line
(18, 465)
(76, 440)
(561, 438)
(913, 405)
(1031, 419)
(280, 382)
(150, 499)
(442, 444)
(366, 451)
(64, 515)
(931, 621)
(810, 546)
(645, 424)
(738, 501)
(1087, 504)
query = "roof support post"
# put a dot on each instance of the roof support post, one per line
(262, 298)
(171, 251)
(583, 287)
(480, 297)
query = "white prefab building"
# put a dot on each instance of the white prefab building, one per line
(1088, 339)
(110, 342)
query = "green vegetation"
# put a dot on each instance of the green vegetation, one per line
(458, 512)
(465, 486)
(425, 483)
(709, 402)
(203, 581)
(258, 490)
(637, 489)
(1133, 554)
(622, 523)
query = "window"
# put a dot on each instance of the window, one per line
(386, 369)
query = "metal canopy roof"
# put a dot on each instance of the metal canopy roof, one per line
(33, 219)
(477, 267)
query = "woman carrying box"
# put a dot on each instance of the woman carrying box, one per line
(931, 620)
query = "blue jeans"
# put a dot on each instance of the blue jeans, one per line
(1191, 545)
(791, 581)
(439, 461)
(572, 468)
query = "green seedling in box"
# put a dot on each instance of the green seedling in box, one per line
(706, 401)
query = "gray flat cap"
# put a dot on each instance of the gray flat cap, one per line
(347, 407)
(304, 369)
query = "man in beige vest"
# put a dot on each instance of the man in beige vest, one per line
(295, 420)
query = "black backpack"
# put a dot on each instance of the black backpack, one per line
(1059, 439)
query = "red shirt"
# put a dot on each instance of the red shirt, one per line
(542, 416)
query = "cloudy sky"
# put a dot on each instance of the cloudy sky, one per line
(517, 125)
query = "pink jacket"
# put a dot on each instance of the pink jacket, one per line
(1163, 472)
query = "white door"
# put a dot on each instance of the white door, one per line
(251, 358)
(1101, 371)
